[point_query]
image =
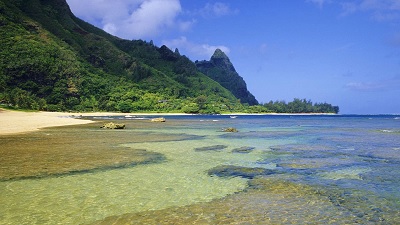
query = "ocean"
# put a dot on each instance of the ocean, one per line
(277, 169)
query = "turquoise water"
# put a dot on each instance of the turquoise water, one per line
(353, 162)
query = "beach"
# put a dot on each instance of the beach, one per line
(14, 122)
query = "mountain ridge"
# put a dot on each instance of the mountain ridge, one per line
(61, 62)
(51, 60)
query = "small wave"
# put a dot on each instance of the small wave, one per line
(390, 131)
(387, 131)
(102, 118)
(135, 118)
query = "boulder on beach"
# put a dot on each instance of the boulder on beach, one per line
(161, 119)
(112, 125)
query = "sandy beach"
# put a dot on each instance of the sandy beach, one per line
(13, 122)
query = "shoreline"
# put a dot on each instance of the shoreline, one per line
(16, 122)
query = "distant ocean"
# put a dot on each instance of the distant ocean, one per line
(277, 169)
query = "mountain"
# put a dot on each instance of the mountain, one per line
(52, 60)
(220, 69)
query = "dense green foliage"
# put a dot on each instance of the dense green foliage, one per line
(296, 106)
(51, 60)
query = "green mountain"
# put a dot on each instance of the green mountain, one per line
(52, 60)
(220, 69)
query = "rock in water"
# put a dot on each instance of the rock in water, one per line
(239, 171)
(230, 129)
(112, 125)
(161, 119)
(244, 149)
(211, 148)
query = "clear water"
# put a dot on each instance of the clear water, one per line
(335, 169)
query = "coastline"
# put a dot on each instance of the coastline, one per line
(15, 122)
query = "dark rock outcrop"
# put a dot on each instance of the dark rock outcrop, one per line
(220, 69)
(244, 149)
(239, 171)
(112, 125)
(230, 129)
(211, 148)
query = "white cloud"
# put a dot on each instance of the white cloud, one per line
(380, 5)
(150, 18)
(216, 9)
(186, 25)
(194, 50)
(380, 85)
(101, 12)
(364, 86)
(110, 28)
(380, 10)
(131, 19)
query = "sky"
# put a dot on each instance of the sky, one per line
(343, 52)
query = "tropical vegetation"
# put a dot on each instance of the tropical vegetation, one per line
(51, 60)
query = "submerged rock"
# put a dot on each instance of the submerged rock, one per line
(239, 171)
(244, 149)
(161, 119)
(112, 125)
(230, 129)
(211, 148)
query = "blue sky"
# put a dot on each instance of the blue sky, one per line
(343, 52)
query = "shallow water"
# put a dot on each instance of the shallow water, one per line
(327, 169)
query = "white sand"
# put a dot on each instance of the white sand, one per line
(12, 122)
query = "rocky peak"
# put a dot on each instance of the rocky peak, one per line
(219, 54)
(220, 69)
(219, 58)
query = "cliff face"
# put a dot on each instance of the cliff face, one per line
(220, 69)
